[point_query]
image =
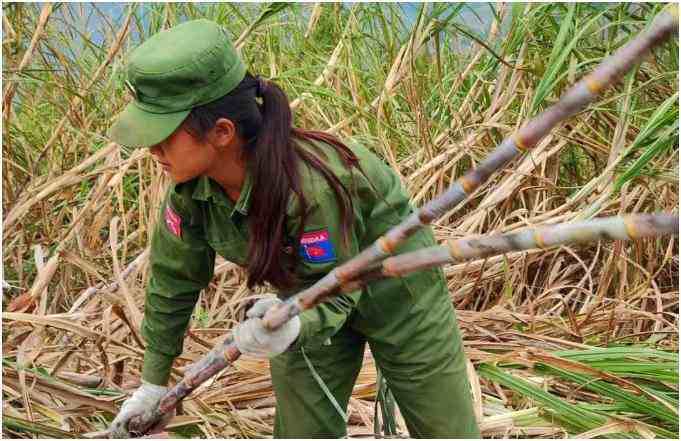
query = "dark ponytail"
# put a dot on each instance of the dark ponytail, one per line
(272, 156)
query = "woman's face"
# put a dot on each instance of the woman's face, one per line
(183, 157)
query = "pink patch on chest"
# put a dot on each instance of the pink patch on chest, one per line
(316, 247)
(173, 221)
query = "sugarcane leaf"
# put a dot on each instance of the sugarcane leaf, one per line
(617, 352)
(663, 143)
(550, 73)
(270, 10)
(559, 55)
(663, 115)
(576, 418)
(634, 402)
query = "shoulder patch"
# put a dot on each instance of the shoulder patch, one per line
(316, 247)
(173, 221)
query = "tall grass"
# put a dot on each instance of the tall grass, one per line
(429, 89)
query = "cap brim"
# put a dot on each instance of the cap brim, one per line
(135, 127)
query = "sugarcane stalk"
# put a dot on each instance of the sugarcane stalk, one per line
(580, 95)
(221, 356)
(631, 227)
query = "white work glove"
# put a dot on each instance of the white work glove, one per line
(142, 403)
(251, 337)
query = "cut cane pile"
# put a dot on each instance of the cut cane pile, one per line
(571, 341)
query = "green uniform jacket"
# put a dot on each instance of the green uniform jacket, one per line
(198, 220)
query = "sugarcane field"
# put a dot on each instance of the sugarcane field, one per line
(323, 220)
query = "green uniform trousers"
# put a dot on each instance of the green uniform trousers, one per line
(425, 370)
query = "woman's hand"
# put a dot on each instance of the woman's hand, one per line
(141, 404)
(253, 339)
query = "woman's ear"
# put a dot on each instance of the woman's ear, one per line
(223, 134)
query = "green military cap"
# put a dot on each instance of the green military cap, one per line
(175, 70)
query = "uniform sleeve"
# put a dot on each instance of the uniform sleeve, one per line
(181, 266)
(322, 248)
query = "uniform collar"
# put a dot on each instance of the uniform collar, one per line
(206, 189)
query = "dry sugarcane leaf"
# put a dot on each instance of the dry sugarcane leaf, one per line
(83, 265)
(39, 256)
(22, 303)
(49, 412)
(13, 341)
(83, 380)
(474, 381)
(135, 314)
(114, 300)
(616, 426)
(44, 277)
(71, 177)
(65, 325)
(50, 321)
(63, 391)
(22, 363)
(118, 311)
(31, 347)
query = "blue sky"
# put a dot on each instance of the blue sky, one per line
(476, 16)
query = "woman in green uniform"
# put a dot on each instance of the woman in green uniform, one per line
(288, 205)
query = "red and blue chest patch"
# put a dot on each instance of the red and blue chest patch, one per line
(173, 221)
(316, 247)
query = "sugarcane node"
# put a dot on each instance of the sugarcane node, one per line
(424, 217)
(630, 227)
(231, 353)
(351, 286)
(385, 245)
(344, 275)
(309, 302)
(187, 381)
(469, 182)
(167, 401)
(594, 86)
(454, 250)
(273, 317)
(538, 240)
(521, 143)
(388, 268)
(226, 352)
